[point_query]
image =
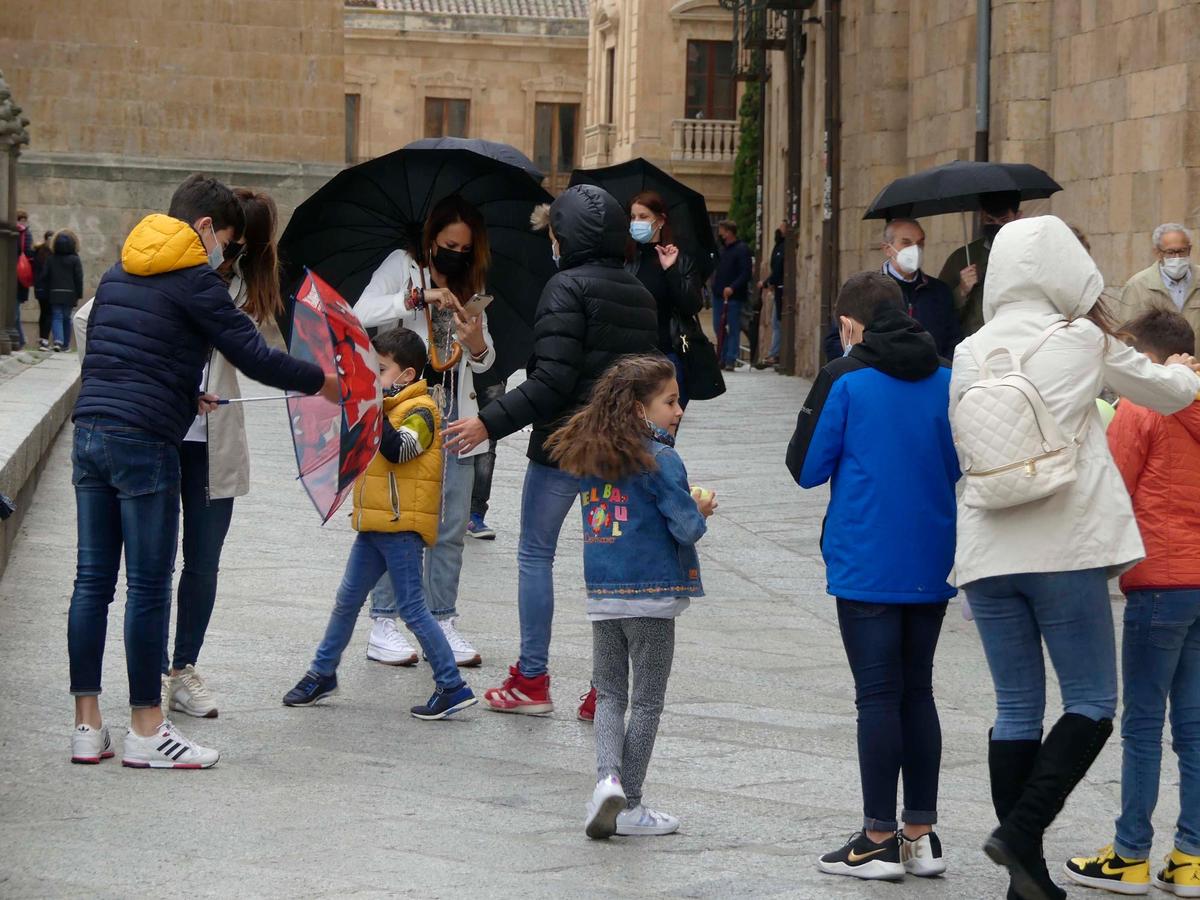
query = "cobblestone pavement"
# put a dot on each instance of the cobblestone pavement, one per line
(355, 798)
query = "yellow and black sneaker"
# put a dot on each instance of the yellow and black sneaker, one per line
(1180, 875)
(1110, 872)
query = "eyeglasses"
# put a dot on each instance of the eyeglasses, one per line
(1177, 253)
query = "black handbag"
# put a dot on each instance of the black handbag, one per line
(701, 371)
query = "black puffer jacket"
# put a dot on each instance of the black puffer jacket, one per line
(589, 314)
(64, 272)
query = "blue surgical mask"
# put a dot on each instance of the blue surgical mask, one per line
(642, 232)
(216, 255)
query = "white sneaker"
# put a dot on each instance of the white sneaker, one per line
(642, 821)
(608, 799)
(164, 696)
(922, 857)
(90, 745)
(167, 748)
(189, 694)
(388, 645)
(464, 654)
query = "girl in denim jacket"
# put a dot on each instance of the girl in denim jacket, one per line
(640, 527)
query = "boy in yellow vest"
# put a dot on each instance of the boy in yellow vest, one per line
(396, 507)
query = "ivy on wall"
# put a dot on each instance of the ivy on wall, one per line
(744, 203)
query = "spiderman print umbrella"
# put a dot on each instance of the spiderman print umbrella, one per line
(334, 442)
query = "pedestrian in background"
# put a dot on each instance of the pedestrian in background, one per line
(730, 286)
(41, 264)
(1159, 460)
(485, 467)
(1038, 571)
(1171, 282)
(965, 270)
(64, 286)
(774, 281)
(25, 253)
(875, 426)
(641, 523)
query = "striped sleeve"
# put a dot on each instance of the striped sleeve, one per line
(410, 440)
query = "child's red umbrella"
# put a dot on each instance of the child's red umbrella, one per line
(334, 442)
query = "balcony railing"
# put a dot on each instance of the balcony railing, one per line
(704, 140)
(597, 143)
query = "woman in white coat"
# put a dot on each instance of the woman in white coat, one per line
(1039, 572)
(450, 268)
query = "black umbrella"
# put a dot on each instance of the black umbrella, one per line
(505, 153)
(687, 213)
(955, 188)
(347, 228)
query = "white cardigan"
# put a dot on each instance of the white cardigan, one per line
(1039, 273)
(382, 305)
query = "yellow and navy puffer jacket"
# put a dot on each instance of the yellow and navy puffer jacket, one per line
(393, 497)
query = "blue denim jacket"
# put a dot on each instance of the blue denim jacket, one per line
(639, 536)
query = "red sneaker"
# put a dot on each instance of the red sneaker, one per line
(518, 694)
(587, 709)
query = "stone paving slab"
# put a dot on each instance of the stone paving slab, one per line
(355, 798)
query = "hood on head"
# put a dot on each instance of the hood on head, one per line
(1039, 262)
(160, 244)
(589, 225)
(895, 344)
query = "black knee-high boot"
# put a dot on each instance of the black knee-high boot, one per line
(1063, 759)
(1009, 764)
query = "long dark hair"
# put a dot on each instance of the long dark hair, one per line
(607, 438)
(259, 263)
(447, 212)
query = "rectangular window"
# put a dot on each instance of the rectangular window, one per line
(709, 80)
(446, 118)
(353, 105)
(610, 79)
(556, 139)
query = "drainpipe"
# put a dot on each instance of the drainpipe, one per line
(983, 60)
(831, 202)
(797, 45)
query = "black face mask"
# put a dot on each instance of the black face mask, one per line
(990, 232)
(451, 263)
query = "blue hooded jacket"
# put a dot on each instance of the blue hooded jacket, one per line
(876, 426)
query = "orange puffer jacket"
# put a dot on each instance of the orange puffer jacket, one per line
(1159, 458)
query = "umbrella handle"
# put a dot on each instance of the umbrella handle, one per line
(966, 242)
(229, 400)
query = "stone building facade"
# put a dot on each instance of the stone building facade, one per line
(127, 99)
(1104, 96)
(660, 85)
(505, 70)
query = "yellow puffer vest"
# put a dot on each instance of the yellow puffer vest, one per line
(393, 497)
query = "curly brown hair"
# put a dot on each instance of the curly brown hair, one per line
(607, 438)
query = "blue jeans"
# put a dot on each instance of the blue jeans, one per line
(1071, 612)
(890, 647)
(399, 555)
(728, 339)
(546, 498)
(443, 561)
(126, 497)
(205, 524)
(60, 323)
(776, 332)
(1160, 659)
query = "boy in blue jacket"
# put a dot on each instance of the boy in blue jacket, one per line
(875, 426)
(156, 317)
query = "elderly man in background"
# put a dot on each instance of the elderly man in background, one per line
(1172, 282)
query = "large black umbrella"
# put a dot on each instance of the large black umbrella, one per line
(505, 153)
(687, 213)
(347, 228)
(956, 186)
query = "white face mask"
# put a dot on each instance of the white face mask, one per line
(909, 259)
(1176, 267)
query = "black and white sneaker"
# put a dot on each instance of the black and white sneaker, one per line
(863, 858)
(922, 856)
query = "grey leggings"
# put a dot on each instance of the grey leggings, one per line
(650, 644)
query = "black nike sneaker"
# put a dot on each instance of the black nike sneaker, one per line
(863, 858)
(1109, 871)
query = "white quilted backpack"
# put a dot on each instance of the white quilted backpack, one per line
(1013, 451)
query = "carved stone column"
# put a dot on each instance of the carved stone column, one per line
(12, 136)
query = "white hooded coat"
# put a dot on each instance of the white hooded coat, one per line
(1039, 274)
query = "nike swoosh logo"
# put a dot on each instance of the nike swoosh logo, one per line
(856, 858)
(1172, 867)
(1110, 869)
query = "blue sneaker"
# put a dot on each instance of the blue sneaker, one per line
(311, 689)
(478, 529)
(445, 703)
